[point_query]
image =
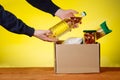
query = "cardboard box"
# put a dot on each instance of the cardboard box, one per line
(77, 58)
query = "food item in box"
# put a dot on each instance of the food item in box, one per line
(89, 36)
(103, 30)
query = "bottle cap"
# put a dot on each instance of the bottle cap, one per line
(89, 30)
(83, 14)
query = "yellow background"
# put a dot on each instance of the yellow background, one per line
(23, 51)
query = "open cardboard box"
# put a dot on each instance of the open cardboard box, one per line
(77, 58)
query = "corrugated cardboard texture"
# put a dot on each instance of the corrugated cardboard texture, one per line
(77, 58)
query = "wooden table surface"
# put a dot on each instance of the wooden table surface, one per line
(49, 74)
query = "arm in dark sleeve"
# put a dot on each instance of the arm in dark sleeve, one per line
(10, 22)
(44, 5)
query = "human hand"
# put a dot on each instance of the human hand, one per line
(44, 35)
(63, 14)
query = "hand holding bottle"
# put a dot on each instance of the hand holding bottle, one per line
(63, 14)
(65, 25)
(66, 14)
(44, 35)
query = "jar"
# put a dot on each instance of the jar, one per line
(89, 36)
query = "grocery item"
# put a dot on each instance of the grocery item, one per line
(89, 36)
(65, 25)
(103, 30)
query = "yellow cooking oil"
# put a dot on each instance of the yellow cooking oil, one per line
(59, 28)
(65, 25)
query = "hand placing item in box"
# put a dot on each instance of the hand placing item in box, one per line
(66, 25)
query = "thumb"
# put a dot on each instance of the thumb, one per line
(48, 32)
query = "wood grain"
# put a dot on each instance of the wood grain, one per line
(49, 74)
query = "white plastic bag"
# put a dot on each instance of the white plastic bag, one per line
(73, 41)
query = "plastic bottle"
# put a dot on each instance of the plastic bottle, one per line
(65, 25)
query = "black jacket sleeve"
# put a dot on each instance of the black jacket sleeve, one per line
(10, 22)
(44, 5)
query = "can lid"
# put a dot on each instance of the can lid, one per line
(105, 28)
(89, 30)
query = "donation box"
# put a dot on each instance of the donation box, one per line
(77, 58)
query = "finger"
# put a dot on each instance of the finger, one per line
(74, 12)
(48, 33)
(51, 39)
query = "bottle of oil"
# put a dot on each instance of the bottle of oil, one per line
(65, 25)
